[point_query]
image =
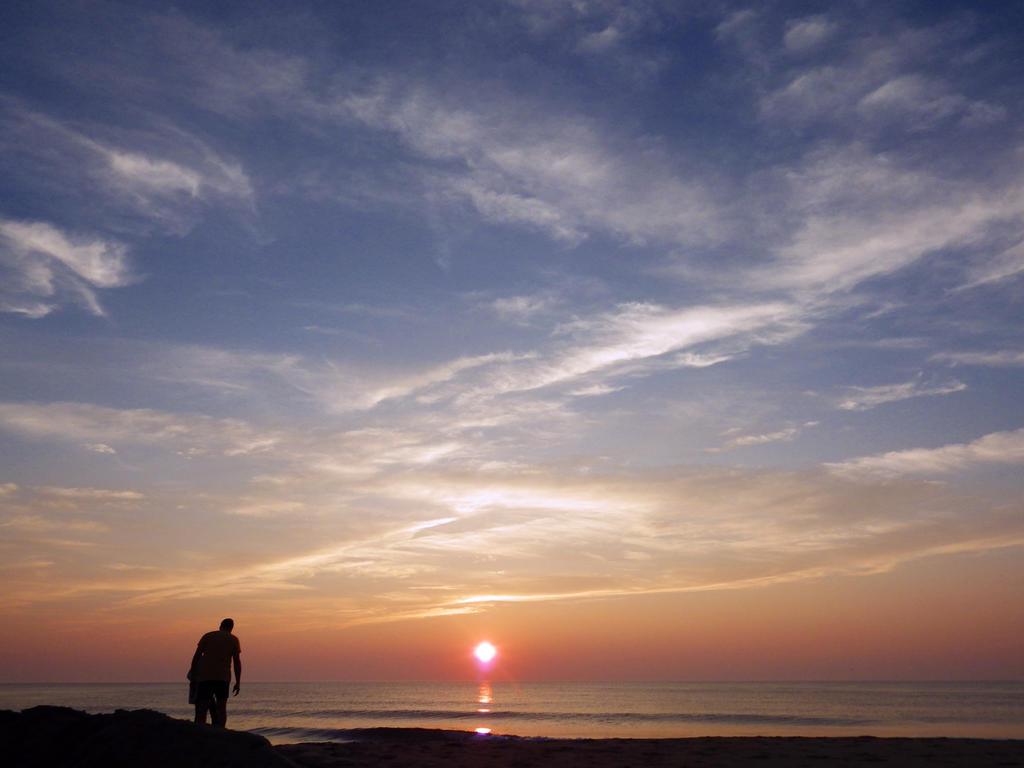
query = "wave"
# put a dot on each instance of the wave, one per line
(391, 718)
(447, 714)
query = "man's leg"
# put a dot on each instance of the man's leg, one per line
(219, 708)
(217, 713)
(201, 707)
(206, 700)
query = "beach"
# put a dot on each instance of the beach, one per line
(433, 749)
(55, 737)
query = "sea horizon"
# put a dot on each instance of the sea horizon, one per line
(566, 681)
(297, 711)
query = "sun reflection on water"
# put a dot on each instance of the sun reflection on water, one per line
(484, 699)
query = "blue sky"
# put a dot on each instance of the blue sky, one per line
(419, 308)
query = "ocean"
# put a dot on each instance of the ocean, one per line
(295, 712)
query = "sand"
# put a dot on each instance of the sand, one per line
(58, 737)
(398, 748)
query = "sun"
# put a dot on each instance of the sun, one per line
(485, 652)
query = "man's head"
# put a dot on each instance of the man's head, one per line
(227, 625)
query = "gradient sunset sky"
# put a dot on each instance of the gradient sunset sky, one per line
(646, 340)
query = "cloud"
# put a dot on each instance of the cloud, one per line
(912, 97)
(42, 261)
(519, 209)
(268, 508)
(159, 176)
(542, 537)
(772, 437)
(557, 174)
(523, 309)
(595, 30)
(865, 398)
(631, 340)
(744, 440)
(995, 448)
(638, 337)
(875, 80)
(18, 305)
(863, 216)
(340, 392)
(99, 494)
(35, 524)
(272, 457)
(810, 95)
(333, 386)
(435, 538)
(1000, 358)
(1005, 265)
(100, 448)
(741, 29)
(584, 357)
(807, 34)
(159, 172)
(637, 332)
(97, 262)
(150, 178)
(79, 424)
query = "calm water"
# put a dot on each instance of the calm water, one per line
(292, 712)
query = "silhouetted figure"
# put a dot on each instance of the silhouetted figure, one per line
(211, 672)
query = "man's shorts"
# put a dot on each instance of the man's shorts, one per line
(212, 690)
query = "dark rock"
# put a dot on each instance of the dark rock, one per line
(59, 737)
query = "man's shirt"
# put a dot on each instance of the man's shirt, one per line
(216, 651)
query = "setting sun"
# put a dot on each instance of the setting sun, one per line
(485, 652)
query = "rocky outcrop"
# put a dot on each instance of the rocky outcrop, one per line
(59, 737)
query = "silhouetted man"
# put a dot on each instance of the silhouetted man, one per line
(211, 671)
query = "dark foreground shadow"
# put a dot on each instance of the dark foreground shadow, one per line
(59, 737)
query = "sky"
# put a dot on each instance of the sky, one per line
(645, 340)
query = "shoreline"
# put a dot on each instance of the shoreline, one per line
(429, 748)
(60, 736)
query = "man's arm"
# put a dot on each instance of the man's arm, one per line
(237, 658)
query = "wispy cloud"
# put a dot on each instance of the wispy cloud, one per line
(1005, 357)
(523, 309)
(865, 398)
(162, 173)
(153, 181)
(561, 176)
(47, 268)
(341, 393)
(915, 97)
(745, 440)
(877, 79)
(638, 337)
(863, 216)
(995, 448)
(79, 424)
(473, 538)
(99, 494)
(808, 34)
(1004, 265)
(588, 352)
(854, 212)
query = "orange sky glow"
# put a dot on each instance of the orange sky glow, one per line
(925, 621)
